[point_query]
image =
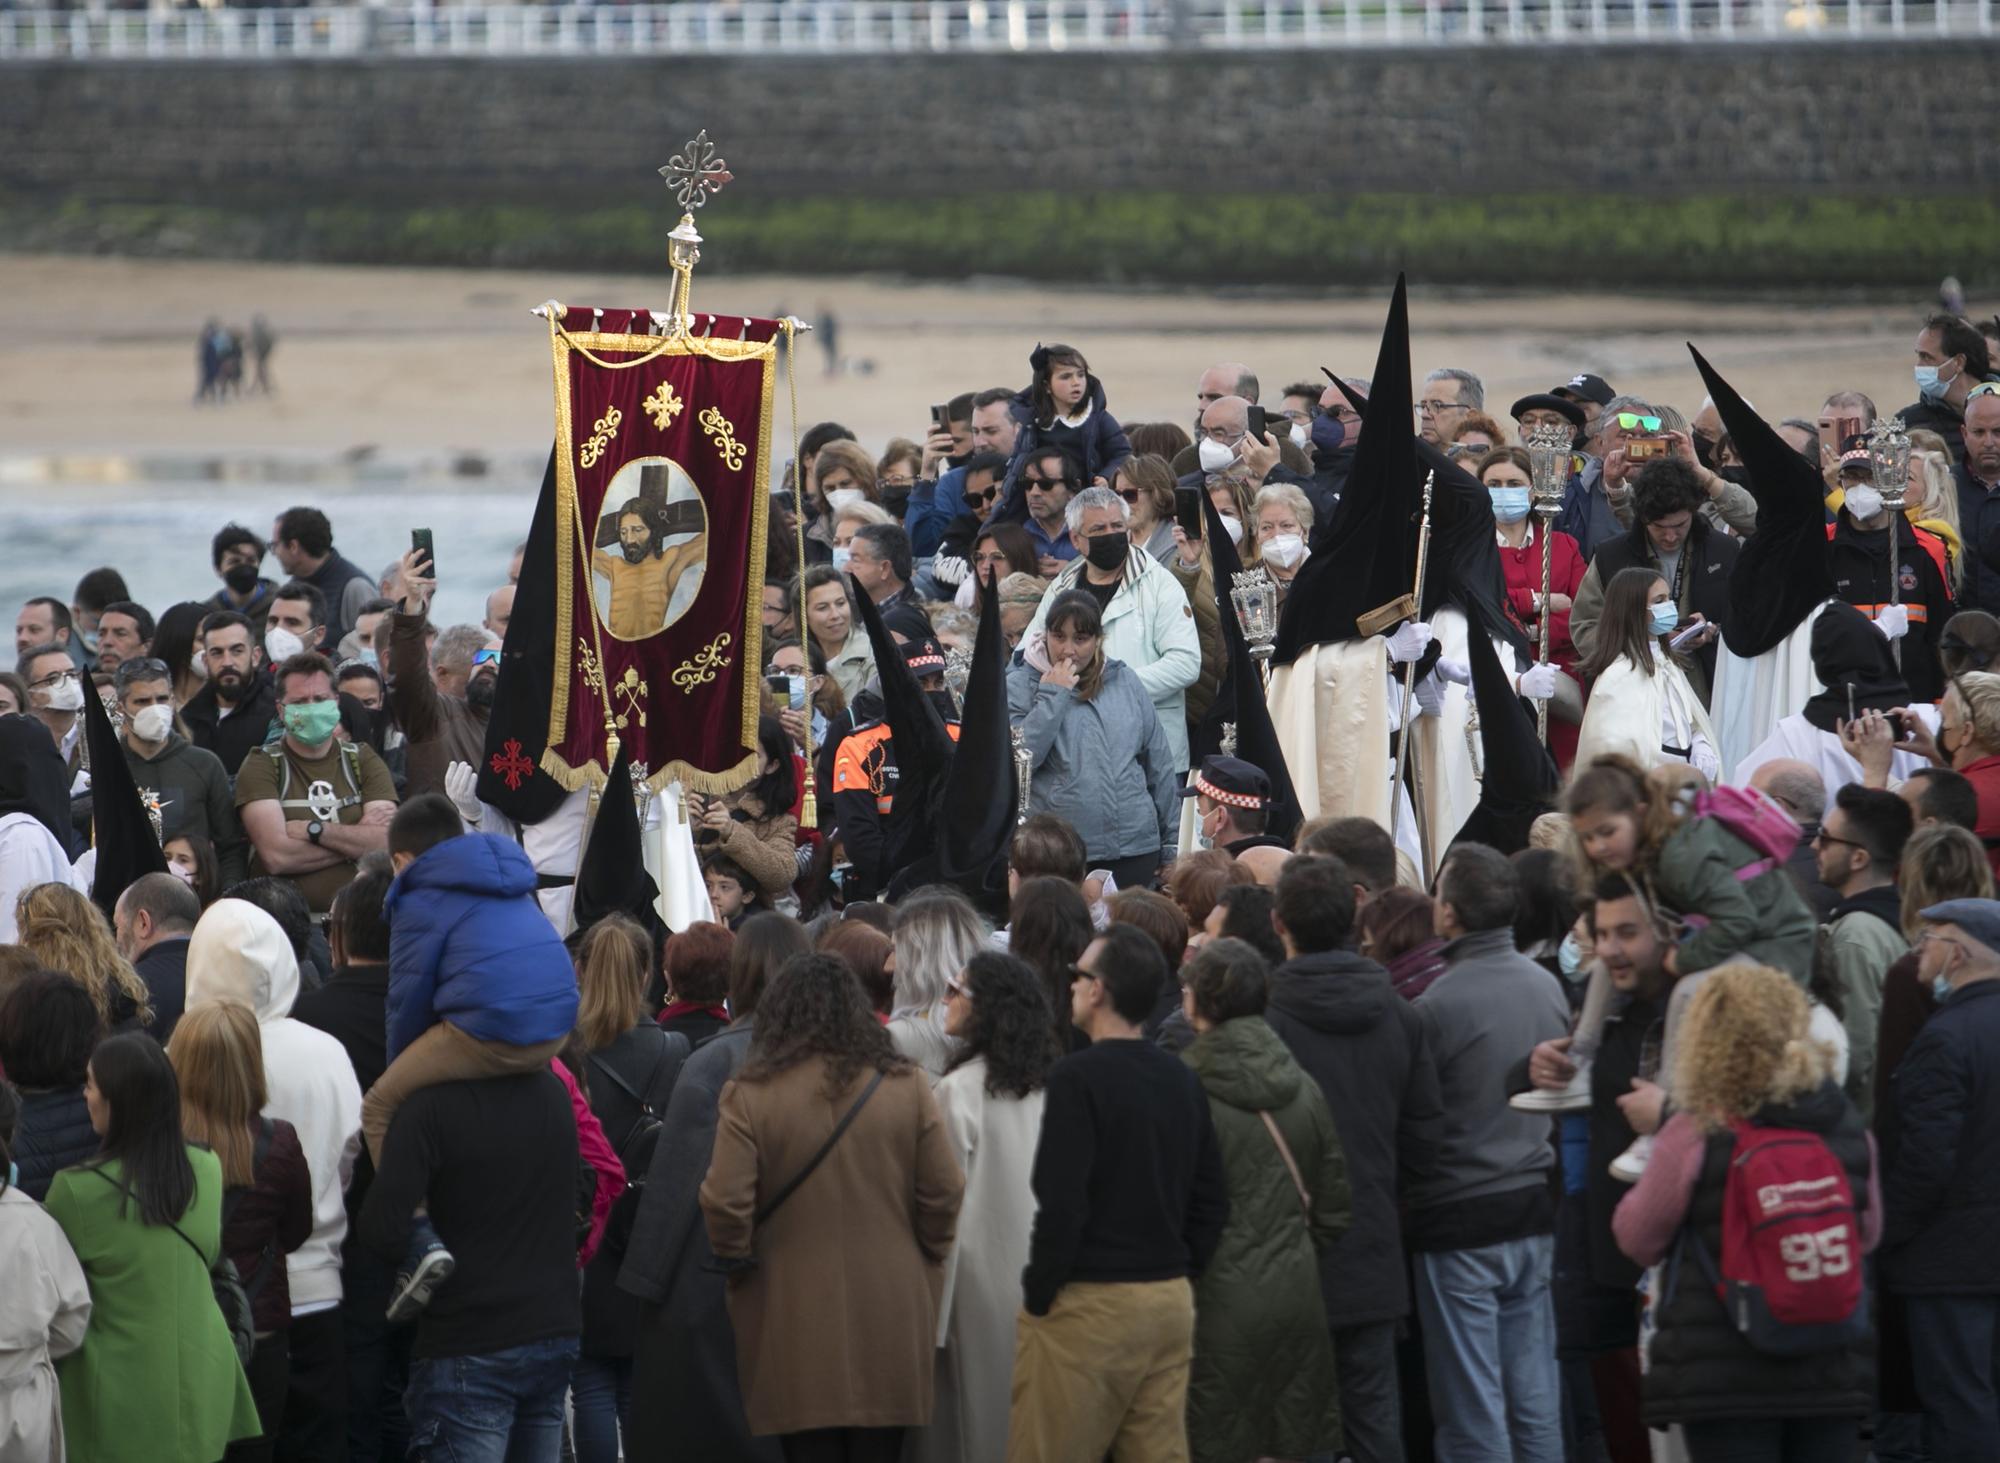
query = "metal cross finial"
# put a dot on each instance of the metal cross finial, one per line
(695, 172)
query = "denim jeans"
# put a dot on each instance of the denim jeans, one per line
(502, 1407)
(1490, 1352)
(601, 1397)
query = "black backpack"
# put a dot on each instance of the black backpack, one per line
(635, 1149)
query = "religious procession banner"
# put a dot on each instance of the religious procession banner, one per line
(662, 476)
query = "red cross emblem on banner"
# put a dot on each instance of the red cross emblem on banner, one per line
(510, 764)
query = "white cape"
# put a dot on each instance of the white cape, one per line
(1751, 696)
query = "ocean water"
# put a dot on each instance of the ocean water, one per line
(155, 528)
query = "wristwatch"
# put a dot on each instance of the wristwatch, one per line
(313, 830)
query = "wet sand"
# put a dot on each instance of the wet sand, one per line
(424, 366)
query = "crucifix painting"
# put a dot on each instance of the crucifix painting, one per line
(651, 548)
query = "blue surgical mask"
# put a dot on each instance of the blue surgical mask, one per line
(1929, 386)
(1663, 617)
(841, 554)
(367, 657)
(1569, 956)
(1510, 505)
(1941, 988)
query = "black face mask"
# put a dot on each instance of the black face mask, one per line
(896, 501)
(946, 707)
(1704, 451)
(1734, 474)
(1108, 550)
(241, 578)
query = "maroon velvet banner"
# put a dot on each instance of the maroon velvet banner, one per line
(663, 467)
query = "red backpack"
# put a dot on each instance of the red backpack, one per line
(1757, 820)
(1790, 1277)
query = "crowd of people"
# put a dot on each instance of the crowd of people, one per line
(1613, 1097)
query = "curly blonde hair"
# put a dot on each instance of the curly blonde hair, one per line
(66, 932)
(1745, 1044)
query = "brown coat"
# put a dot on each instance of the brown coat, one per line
(1198, 584)
(765, 846)
(441, 729)
(836, 1325)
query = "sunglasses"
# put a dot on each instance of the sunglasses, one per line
(1130, 495)
(1984, 388)
(485, 657)
(1633, 422)
(987, 495)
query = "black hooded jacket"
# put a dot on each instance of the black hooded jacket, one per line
(1365, 1047)
(1860, 565)
(242, 731)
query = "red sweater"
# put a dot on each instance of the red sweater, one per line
(1523, 568)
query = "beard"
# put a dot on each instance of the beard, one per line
(229, 681)
(480, 691)
(636, 553)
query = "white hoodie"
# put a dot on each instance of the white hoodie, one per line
(238, 953)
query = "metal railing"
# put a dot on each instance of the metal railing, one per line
(852, 27)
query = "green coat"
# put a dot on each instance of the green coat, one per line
(156, 1379)
(1263, 1382)
(1762, 918)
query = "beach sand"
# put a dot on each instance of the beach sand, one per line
(99, 363)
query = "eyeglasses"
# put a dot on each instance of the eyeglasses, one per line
(1824, 837)
(1432, 408)
(1633, 422)
(896, 482)
(53, 679)
(157, 667)
(489, 656)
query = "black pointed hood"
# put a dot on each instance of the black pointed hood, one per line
(975, 820)
(1242, 699)
(1367, 553)
(127, 846)
(923, 757)
(1783, 572)
(1521, 781)
(517, 731)
(611, 877)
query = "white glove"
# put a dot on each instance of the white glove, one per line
(1408, 642)
(1702, 757)
(459, 784)
(1537, 682)
(1894, 621)
(950, 570)
(1430, 696)
(1455, 671)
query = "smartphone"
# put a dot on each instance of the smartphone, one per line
(790, 689)
(1843, 428)
(937, 419)
(1642, 449)
(781, 685)
(1258, 422)
(1187, 512)
(420, 542)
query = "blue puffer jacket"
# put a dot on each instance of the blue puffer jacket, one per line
(468, 944)
(54, 1133)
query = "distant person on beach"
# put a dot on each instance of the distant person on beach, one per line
(208, 360)
(262, 342)
(827, 328)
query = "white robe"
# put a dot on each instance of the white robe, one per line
(1627, 708)
(1752, 696)
(29, 855)
(1795, 737)
(1450, 784)
(994, 1141)
(44, 1308)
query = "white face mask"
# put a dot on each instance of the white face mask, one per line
(153, 724)
(1863, 502)
(1300, 436)
(1284, 549)
(66, 695)
(841, 554)
(183, 872)
(1215, 456)
(1234, 528)
(842, 499)
(281, 644)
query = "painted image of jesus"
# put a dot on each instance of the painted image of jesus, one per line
(653, 568)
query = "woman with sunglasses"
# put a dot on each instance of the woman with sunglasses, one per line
(998, 550)
(991, 1101)
(1146, 483)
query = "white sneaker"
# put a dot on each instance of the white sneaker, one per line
(1574, 1097)
(1630, 1166)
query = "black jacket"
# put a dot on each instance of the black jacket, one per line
(1707, 557)
(647, 1061)
(1940, 1185)
(1329, 481)
(352, 1008)
(54, 1132)
(1979, 523)
(1860, 565)
(164, 970)
(236, 736)
(332, 579)
(1936, 416)
(1702, 1370)
(1626, 1030)
(1364, 1045)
